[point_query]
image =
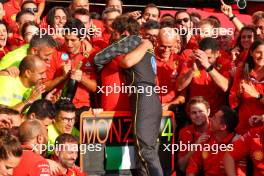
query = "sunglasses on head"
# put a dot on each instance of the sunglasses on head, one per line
(34, 10)
(185, 20)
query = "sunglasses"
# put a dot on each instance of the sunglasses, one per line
(185, 20)
(34, 10)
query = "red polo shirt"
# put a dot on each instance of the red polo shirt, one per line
(81, 97)
(32, 164)
(103, 41)
(250, 145)
(111, 77)
(211, 162)
(11, 9)
(247, 105)
(167, 72)
(188, 135)
(202, 83)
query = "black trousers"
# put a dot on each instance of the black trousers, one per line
(147, 115)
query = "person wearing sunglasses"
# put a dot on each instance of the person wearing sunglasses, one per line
(33, 7)
(184, 25)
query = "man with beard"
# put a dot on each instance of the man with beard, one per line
(199, 111)
(66, 153)
(33, 136)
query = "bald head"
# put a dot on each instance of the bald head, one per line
(30, 62)
(30, 129)
(168, 34)
(168, 40)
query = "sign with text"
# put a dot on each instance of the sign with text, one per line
(109, 141)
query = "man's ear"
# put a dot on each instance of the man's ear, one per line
(33, 51)
(28, 73)
(223, 127)
(208, 112)
(40, 139)
(32, 116)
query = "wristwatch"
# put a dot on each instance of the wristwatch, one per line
(210, 68)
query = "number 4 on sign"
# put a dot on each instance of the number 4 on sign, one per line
(168, 132)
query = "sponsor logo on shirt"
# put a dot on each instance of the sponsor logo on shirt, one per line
(258, 155)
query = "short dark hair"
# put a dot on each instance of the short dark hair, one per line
(64, 105)
(182, 11)
(42, 109)
(74, 25)
(230, 118)
(23, 12)
(152, 5)
(107, 2)
(9, 145)
(209, 43)
(63, 138)
(126, 23)
(51, 14)
(151, 24)
(26, 25)
(39, 40)
(81, 11)
(28, 2)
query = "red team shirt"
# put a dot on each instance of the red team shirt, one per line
(188, 135)
(11, 9)
(32, 164)
(112, 76)
(210, 162)
(203, 85)
(250, 144)
(167, 73)
(81, 97)
(247, 105)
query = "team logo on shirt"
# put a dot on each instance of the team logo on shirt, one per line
(13, 17)
(204, 154)
(86, 55)
(197, 73)
(64, 56)
(258, 155)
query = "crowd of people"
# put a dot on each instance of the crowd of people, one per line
(212, 81)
